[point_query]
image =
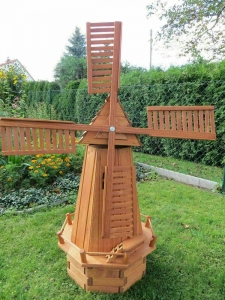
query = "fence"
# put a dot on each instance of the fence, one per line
(79, 106)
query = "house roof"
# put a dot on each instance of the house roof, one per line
(14, 61)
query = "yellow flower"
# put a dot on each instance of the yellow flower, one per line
(33, 161)
(35, 171)
(31, 167)
(68, 165)
(60, 172)
(67, 159)
(55, 167)
(9, 179)
(52, 156)
(43, 163)
(38, 155)
(49, 160)
(44, 175)
(37, 166)
(2, 167)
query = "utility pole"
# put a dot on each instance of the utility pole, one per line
(150, 49)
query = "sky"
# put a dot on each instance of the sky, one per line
(36, 32)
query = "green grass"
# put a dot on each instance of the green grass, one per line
(182, 166)
(187, 264)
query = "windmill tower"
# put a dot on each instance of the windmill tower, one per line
(104, 239)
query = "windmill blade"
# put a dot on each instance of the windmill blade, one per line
(101, 56)
(191, 122)
(31, 136)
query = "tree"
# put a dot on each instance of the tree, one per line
(77, 46)
(72, 65)
(197, 25)
(70, 68)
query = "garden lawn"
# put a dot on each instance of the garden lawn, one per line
(187, 264)
(186, 167)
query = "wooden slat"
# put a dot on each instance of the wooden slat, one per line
(60, 139)
(3, 137)
(207, 121)
(15, 138)
(101, 85)
(122, 229)
(119, 199)
(102, 30)
(201, 124)
(48, 139)
(107, 54)
(190, 125)
(103, 42)
(102, 91)
(195, 115)
(28, 139)
(101, 60)
(122, 211)
(173, 120)
(105, 78)
(122, 180)
(121, 223)
(102, 24)
(167, 124)
(155, 120)
(9, 138)
(122, 217)
(102, 36)
(101, 66)
(122, 204)
(102, 72)
(178, 119)
(122, 186)
(35, 139)
(22, 141)
(184, 120)
(161, 123)
(101, 48)
(42, 144)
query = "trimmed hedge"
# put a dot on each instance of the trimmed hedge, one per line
(198, 84)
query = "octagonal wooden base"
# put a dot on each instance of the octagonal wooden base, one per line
(92, 272)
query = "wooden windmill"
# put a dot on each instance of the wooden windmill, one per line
(105, 241)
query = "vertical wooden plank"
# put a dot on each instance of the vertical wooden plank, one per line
(207, 121)
(60, 132)
(73, 141)
(201, 124)
(9, 138)
(155, 120)
(184, 120)
(48, 139)
(179, 125)
(150, 119)
(22, 139)
(211, 117)
(190, 126)
(42, 144)
(167, 123)
(35, 140)
(173, 120)
(195, 116)
(15, 136)
(54, 140)
(3, 135)
(28, 139)
(161, 123)
(67, 139)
